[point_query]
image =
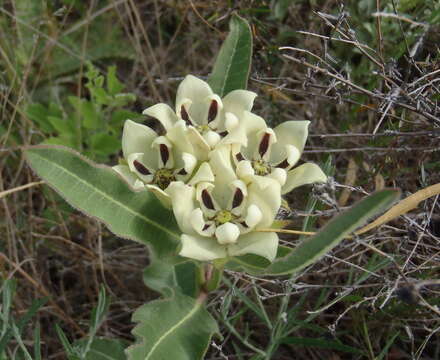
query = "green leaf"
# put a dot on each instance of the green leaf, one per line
(178, 328)
(114, 86)
(254, 263)
(119, 116)
(104, 349)
(231, 69)
(167, 278)
(160, 277)
(104, 144)
(91, 118)
(68, 347)
(123, 99)
(39, 114)
(37, 342)
(86, 109)
(98, 191)
(332, 234)
(64, 140)
(187, 278)
(63, 126)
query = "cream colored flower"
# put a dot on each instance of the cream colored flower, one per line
(274, 152)
(220, 219)
(154, 162)
(209, 119)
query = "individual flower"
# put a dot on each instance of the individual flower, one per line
(220, 219)
(154, 162)
(209, 119)
(274, 152)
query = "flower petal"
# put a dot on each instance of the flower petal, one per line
(163, 197)
(183, 202)
(262, 244)
(203, 174)
(136, 138)
(248, 123)
(183, 140)
(211, 138)
(279, 175)
(307, 173)
(201, 248)
(199, 224)
(137, 165)
(164, 149)
(238, 101)
(239, 193)
(265, 193)
(206, 200)
(214, 107)
(200, 146)
(129, 177)
(189, 163)
(231, 121)
(266, 138)
(163, 113)
(245, 171)
(192, 88)
(221, 166)
(253, 216)
(289, 133)
(227, 233)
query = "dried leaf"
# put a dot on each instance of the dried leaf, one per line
(407, 204)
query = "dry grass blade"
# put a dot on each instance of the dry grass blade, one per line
(19, 188)
(407, 204)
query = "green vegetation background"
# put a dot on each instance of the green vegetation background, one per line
(72, 71)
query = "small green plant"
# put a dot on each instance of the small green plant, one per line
(91, 125)
(12, 329)
(93, 347)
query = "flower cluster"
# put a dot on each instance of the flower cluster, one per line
(219, 167)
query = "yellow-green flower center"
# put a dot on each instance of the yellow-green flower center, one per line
(202, 128)
(223, 216)
(163, 178)
(261, 167)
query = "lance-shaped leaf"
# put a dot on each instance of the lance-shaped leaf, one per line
(252, 263)
(98, 191)
(178, 328)
(233, 63)
(327, 238)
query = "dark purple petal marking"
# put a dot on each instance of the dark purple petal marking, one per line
(182, 172)
(155, 125)
(283, 164)
(223, 133)
(264, 144)
(238, 198)
(213, 109)
(184, 115)
(207, 201)
(164, 153)
(141, 168)
(243, 223)
(239, 157)
(206, 227)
